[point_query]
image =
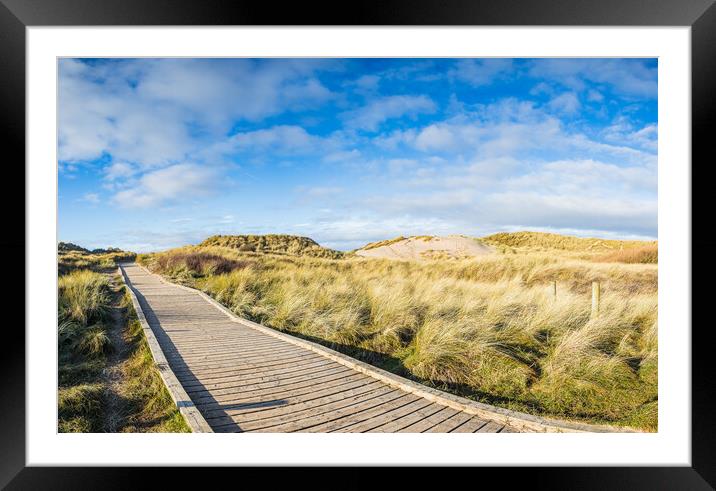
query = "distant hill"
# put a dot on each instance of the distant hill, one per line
(273, 244)
(69, 246)
(541, 240)
(426, 247)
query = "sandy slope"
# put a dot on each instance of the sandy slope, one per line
(451, 246)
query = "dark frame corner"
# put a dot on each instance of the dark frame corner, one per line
(16, 15)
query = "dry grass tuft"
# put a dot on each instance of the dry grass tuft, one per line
(637, 255)
(200, 263)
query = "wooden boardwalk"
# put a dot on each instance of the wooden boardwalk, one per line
(244, 380)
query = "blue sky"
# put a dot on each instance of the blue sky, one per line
(157, 153)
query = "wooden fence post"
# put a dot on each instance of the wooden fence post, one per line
(554, 290)
(596, 296)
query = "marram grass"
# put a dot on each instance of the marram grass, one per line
(488, 328)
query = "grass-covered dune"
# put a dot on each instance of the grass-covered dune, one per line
(541, 241)
(488, 328)
(273, 244)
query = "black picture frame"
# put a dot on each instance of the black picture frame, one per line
(700, 15)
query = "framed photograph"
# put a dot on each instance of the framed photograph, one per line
(253, 234)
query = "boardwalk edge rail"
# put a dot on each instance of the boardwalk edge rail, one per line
(186, 406)
(517, 420)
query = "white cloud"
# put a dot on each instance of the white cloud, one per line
(626, 77)
(616, 214)
(542, 88)
(481, 72)
(156, 112)
(397, 165)
(365, 85)
(511, 128)
(506, 192)
(567, 103)
(91, 198)
(319, 191)
(595, 96)
(623, 132)
(435, 137)
(284, 137)
(170, 184)
(377, 111)
(284, 140)
(342, 156)
(119, 170)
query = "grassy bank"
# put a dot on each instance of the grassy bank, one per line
(487, 328)
(91, 305)
(84, 302)
(150, 407)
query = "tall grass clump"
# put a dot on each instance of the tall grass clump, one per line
(487, 328)
(83, 299)
(83, 296)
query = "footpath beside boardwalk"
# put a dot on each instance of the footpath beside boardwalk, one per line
(228, 374)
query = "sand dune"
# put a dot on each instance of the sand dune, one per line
(424, 247)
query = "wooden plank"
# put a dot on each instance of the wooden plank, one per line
(246, 392)
(491, 427)
(310, 401)
(219, 342)
(204, 341)
(398, 424)
(209, 404)
(470, 426)
(177, 345)
(368, 413)
(450, 424)
(432, 420)
(241, 364)
(265, 363)
(216, 380)
(237, 353)
(232, 389)
(210, 410)
(316, 407)
(235, 367)
(216, 340)
(387, 417)
(245, 351)
(315, 420)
